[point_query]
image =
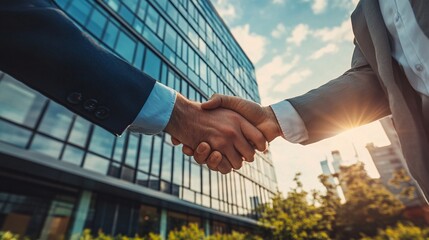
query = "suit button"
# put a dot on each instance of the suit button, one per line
(102, 113)
(74, 98)
(90, 105)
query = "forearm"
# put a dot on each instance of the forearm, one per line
(41, 47)
(353, 99)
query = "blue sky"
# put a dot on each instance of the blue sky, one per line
(298, 45)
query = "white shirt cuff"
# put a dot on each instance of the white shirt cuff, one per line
(290, 122)
(156, 112)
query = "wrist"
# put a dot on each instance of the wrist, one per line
(272, 126)
(179, 120)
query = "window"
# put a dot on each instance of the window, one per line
(13, 135)
(19, 103)
(114, 4)
(56, 121)
(126, 14)
(101, 142)
(152, 64)
(96, 163)
(132, 149)
(79, 133)
(110, 34)
(132, 4)
(138, 60)
(79, 9)
(152, 18)
(46, 146)
(96, 23)
(170, 37)
(141, 12)
(148, 220)
(73, 155)
(206, 181)
(125, 46)
(156, 155)
(145, 150)
(178, 166)
(119, 148)
(172, 12)
(196, 177)
(166, 162)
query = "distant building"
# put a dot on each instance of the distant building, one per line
(337, 160)
(388, 160)
(324, 164)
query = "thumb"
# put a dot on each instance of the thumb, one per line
(214, 102)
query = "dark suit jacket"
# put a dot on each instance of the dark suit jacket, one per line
(374, 87)
(40, 46)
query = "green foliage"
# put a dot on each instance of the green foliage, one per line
(369, 205)
(8, 236)
(87, 235)
(401, 232)
(401, 180)
(233, 236)
(191, 232)
(294, 217)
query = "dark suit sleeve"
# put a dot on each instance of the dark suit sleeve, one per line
(353, 99)
(40, 46)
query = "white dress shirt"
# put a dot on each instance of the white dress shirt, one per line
(156, 112)
(410, 47)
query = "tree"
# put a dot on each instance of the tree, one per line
(294, 217)
(369, 205)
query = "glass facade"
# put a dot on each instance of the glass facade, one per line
(183, 44)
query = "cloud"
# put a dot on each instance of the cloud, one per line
(339, 33)
(254, 45)
(226, 10)
(330, 48)
(272, 72)
(349, 5)
(299, 34)
(278, 31)
(278, 1)
(292, 79)
(319, 6)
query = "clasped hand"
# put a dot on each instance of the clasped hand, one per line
(225, 131)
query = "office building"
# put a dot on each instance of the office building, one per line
(388, 160)
(61, 174)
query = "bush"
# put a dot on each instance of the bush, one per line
(401, 232)
(191, 232)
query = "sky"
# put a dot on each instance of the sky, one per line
(295, 46)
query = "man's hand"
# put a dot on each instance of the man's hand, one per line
(226, 132)
(261, 117)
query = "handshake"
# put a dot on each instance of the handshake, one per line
(222, 132)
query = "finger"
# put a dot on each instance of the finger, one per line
(245, 149)
(187, 151)
(224, 166)
(175, 141)
(202, 153)
(214, 160)
(234, 157)
(252, 134)
(214, 102)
